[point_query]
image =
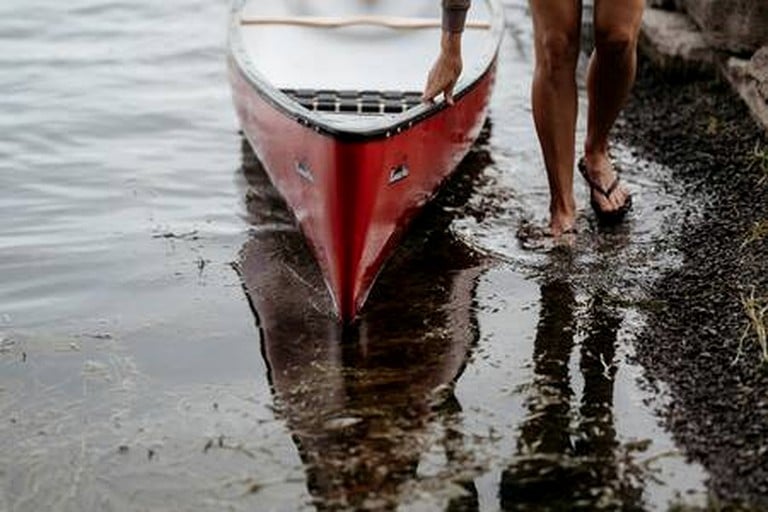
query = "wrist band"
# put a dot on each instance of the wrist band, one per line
(455, 15)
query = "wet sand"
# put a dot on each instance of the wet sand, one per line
(166, 342)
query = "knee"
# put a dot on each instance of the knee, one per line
(558, 52)
(615, 40)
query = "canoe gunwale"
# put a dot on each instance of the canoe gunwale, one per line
(345, 132)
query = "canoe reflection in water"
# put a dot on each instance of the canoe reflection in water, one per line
(366, 406)
(360, 404)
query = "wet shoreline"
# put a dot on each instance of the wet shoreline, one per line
(366, 409)
(139, 371)
(719, 405)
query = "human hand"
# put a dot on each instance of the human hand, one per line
(446, 70)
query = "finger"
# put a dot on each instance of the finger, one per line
(448, 92)
(428, 95)
(432, 89)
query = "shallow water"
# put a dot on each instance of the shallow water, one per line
(141, 370)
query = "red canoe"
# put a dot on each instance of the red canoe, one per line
(328, 95)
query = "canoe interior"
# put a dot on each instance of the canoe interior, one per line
(357, 59)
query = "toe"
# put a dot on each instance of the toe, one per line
(607, 204)
(617, 199)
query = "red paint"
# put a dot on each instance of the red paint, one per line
(350, 214)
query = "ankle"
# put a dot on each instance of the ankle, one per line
(595, 151)
(563, 209)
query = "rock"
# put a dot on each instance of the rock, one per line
(674, 45)
(758, 71)
(738, 26)
(341, 423)
(750, 79)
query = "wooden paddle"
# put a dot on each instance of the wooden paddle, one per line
(338, 22)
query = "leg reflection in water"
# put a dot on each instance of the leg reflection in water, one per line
(567, 459)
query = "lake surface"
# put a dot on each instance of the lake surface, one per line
(164, 338)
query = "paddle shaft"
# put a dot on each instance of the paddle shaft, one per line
(338, 22)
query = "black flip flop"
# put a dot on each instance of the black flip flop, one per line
(613, 217)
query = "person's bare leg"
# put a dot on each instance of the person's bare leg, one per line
(556, 27)
(610, 76)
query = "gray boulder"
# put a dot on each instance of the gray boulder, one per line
(737, 26)
(674, 44)
(758, 71)
(750, 79)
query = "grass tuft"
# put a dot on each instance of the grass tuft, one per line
(758, 231)
(756, 310)
(759, 160)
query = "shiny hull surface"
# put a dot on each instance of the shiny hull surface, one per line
(354, 191)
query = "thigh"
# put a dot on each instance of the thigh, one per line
(556, 19)
(618, 17)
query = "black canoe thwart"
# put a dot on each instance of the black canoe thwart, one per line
(355, 102)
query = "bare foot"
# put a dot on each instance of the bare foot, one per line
(562, 215)
(561, 230)
(562, 224)
(537, 237)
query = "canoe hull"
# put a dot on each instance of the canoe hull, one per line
(353, 197)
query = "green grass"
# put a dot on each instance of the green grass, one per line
(756, 311)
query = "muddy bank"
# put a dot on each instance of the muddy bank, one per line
(719, 411)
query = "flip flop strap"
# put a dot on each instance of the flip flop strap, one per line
(611, 189)
(596, 186)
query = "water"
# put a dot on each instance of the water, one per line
(136, 373)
